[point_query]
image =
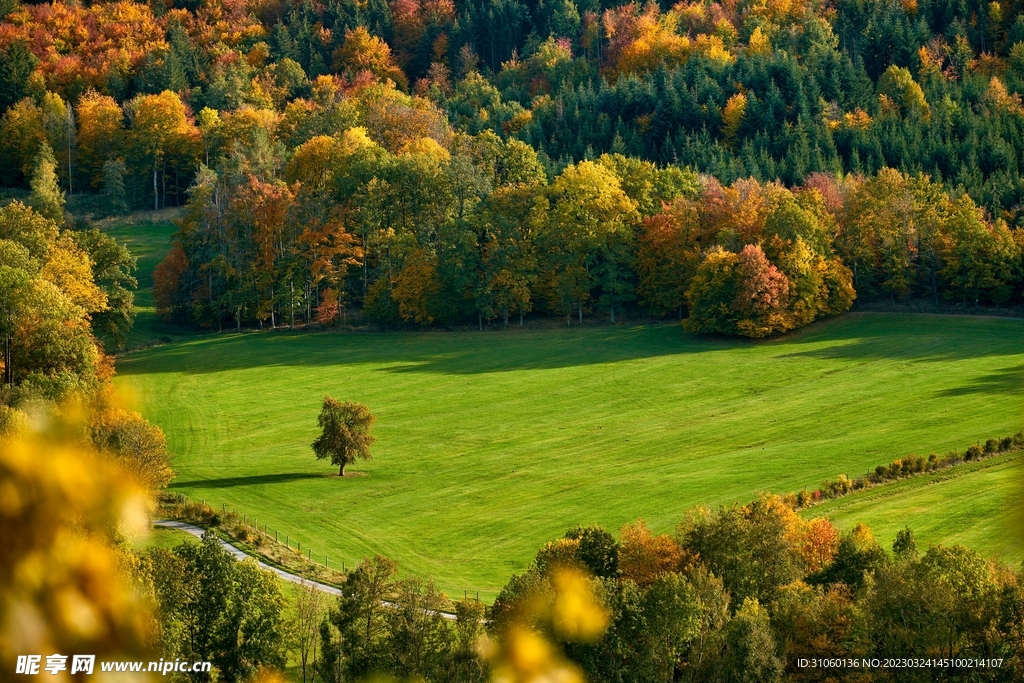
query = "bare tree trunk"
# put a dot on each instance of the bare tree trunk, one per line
(156, 190)
(8, 360)
(70, 125)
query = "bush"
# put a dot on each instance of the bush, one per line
(992, 446)
(840, 487)
(1006, 444)
(973, 453)
(933, 461)
(1018, 439)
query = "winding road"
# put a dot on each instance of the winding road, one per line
(240, 555)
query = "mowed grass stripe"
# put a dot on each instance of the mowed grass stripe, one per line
(490, 444)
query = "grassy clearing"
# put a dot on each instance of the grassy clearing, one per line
(491, 443)
(973, 504)
(160, 537)
(149, 243)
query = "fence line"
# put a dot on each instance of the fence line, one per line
(309, 551)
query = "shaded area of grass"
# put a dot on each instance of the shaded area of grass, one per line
(492, 443)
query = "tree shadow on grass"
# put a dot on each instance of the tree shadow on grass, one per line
(868, 336)
(912, 338)
(1004, 381)
(456, 353)
(254, 480)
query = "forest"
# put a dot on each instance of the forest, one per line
(748, 166)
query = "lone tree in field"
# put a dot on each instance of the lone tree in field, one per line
(345, 433)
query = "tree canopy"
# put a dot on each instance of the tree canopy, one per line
(345, 433)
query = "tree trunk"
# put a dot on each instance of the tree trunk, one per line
(480, 320)
(70, 124)
(580, 304)
(520, 317)
(156, 191)
(341, 470)
(612, 303)
(8, 361)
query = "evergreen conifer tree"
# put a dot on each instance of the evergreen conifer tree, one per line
(115, 199)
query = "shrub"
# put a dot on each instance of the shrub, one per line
(1018, 439)
(1006, 444)
(973, 453)
(933, 461)
(840, 487)
(881, 471)
(992, 446)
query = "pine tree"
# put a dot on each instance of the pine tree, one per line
(115, 201)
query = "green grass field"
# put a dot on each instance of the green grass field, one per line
(974, 504)
(492, 443)
(149, 244)
(160, 537)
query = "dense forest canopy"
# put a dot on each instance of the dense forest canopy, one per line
(749, 165)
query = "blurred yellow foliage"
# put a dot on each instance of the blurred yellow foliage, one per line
(568, 610)
(65, 588)
(576, 614)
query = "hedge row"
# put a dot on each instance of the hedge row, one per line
(899, 469)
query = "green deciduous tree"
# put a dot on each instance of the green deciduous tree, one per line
(749, 652)
(47, 199)
(112, 267)
(345, 433)
(215, 609)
